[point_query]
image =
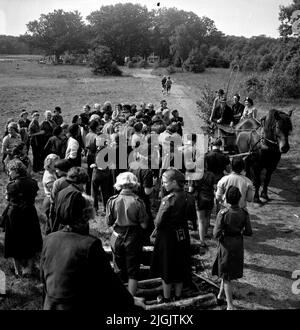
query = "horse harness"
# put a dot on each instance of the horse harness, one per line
(262, 139)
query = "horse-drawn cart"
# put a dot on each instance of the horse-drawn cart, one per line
(229, 135)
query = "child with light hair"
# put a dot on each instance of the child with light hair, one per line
(127, 214)
(49, 177)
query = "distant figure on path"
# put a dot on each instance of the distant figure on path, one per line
(163, 84)
(168, 85)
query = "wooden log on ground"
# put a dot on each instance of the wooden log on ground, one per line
(206, 280)
(150, 283)
(203, 301)
(149, 292)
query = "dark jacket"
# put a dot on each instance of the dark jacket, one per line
(216, 162)
(56, 146)
(69, 206)
(225, 114)
(77, 275)
(231, 225)
(238, 109)
(23, 237)
(171, 255)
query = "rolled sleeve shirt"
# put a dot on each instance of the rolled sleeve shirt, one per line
(241, 182)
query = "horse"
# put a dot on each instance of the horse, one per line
(265, 145)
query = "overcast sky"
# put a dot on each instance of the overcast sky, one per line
(233, 17)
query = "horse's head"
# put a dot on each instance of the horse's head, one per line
(277, 128)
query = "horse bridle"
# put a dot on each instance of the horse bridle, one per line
(262, 138)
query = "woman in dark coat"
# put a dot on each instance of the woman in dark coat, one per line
(171, 255)
(23, 237)
(231, 225)
(76, 272)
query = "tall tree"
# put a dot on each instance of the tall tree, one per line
(181, 43)
(124, 28)
(57, 32)
(165, 21)
(290, 19)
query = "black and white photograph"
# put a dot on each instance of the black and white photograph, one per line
(150, 158)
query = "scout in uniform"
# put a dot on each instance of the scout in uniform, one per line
(127, 214)
(171, 255)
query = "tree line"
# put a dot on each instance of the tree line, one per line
(180, 38)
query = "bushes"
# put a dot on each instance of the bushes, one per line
(274, 86)
(252, 86)
(130, 65)
(115, 70)
(292, 73)
(265, 63)
(177, 62)
(205, 103)
(215, 59)
(195, 62)
(101, 61)
(142, 64)
(171, 69)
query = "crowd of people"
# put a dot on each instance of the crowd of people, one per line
(115, 157)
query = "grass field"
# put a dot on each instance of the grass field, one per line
(34, 86)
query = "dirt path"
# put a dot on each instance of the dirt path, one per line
(272, 254)
(179, 98)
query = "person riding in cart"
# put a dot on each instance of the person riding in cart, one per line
(222, 113)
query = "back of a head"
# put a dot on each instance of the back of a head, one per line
(75, 119)
(126, 180)
(17, 166)
(93, 125)
(237, 164)
(57, 130)
(233, 195)
(73, 129)
(173, 173)
(63, 165)
(138, 127)
(77, 175)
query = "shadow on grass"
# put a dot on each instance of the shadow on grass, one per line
(273, 271)
(283, 180)
(248, 292)
(270, 250)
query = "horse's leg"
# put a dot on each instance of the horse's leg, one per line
(248, 168)
(256, 182)
(264, 193)
(271, 160)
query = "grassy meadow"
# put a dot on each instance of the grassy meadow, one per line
(41, 87)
